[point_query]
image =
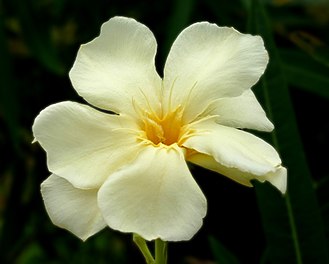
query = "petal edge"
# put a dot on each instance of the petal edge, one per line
(160, 197)
(117, 68)
(207, 62)
(70, 208)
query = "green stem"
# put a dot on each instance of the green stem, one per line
(160, 252)
(294, 233)
(141, 243)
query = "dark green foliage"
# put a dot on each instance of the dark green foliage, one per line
(38, 43)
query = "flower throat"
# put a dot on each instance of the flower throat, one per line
(166, 130)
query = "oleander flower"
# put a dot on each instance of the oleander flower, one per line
(128, 170)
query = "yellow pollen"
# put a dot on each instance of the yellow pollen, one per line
(166, 130)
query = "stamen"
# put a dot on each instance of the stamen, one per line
(188, 98)
(171, 92)
(147, 101)
(166, 130)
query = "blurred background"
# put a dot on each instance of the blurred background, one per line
(39, 40)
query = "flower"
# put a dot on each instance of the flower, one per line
(128, 170)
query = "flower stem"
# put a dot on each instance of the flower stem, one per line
(160, 252)
(141, 244)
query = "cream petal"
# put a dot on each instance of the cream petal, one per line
(73, 209)
(243, 111)
(155, 197)
(116, 70)
(277, 178)
(233, 148)
(207, 62)
(84, 145)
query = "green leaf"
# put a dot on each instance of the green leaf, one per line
(303, 72)
(179, 18)
(38, 41)
(221, 254)
(295, 2)
(9, 105)
(293, 225)
(32, 253)
(312, 45)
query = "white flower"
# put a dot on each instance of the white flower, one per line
(128, 170)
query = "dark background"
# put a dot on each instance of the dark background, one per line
(38, 44)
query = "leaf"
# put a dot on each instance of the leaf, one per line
(221, 254)
(312, 45)
(38, 42)
(32, 253)
(180, 17)
(295, 2)
(293, 225)
(303, 72)
(9, 105)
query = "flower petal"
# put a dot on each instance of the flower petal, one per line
(84, 145)
(155, 197)
(73, 209)
(278, 178)
(207, 62)
(233, 148)
(117, 68)
(243, 111)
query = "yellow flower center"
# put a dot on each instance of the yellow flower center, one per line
(168, 129)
